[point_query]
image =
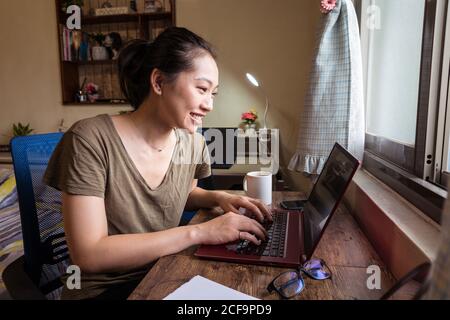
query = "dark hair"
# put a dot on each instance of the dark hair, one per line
(172, 52)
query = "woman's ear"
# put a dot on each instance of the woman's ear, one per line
(156, 81)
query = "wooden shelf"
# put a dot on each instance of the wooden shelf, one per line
(102, 102)
(92, 62)
(156, 15)
(104, 73)
(119, 18)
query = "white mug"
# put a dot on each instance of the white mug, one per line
(258, 185)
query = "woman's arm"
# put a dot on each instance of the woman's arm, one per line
(94, 251)
(200, 198)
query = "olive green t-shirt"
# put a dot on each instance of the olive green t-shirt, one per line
(91, 160)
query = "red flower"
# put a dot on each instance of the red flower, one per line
(249, 117)
(91, 88)
(327, 5)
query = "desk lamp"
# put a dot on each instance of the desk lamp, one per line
(254, 82)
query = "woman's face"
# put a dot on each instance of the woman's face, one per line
(190, 96)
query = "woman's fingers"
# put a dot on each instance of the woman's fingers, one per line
(248, 236)
(263, 208)
(245, 203)
(234, 209)
(254, 227)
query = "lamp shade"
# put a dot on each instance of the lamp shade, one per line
(252, 79)
(255, 82)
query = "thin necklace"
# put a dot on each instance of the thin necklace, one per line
(157, 149)
(154, 148)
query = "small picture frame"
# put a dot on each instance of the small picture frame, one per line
(151, 6)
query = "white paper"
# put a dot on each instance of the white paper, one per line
(200, 288)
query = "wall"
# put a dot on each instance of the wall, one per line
(30, 89)
(272, 39)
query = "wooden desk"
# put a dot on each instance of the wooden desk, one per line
(343, 246)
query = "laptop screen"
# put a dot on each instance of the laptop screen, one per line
(326, 195)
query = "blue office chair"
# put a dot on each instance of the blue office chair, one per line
(36, 275)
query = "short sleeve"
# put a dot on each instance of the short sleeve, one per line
(76, 167)
(203, 167)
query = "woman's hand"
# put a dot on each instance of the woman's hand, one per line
(229, 202)
(231, 227)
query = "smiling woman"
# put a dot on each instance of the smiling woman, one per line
(124, 188)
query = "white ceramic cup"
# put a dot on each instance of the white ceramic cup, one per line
(258, 185)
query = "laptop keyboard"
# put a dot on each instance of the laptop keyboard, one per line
(273, 246)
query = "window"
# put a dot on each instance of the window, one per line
(405, 49)
(442, 168)
(392, 114)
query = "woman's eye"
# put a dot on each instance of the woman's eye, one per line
(214, 94)
(203, 90)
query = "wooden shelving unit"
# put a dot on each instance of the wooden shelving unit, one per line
(104, 72)
(92, 62)
(119, 18)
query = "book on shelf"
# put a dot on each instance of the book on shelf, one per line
(67, 43)
(74, 45)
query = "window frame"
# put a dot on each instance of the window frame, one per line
(442, 175)
(410, 170)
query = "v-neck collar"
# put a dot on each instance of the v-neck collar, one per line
(130, 162)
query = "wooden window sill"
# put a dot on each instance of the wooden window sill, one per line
(402, 234)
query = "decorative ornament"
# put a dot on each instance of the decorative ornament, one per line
(327, 5)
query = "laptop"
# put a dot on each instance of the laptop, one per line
(294, 234)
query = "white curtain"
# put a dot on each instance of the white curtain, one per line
(334, 106)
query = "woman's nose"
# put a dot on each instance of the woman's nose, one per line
(208, 104)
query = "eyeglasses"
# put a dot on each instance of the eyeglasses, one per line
(290, 283)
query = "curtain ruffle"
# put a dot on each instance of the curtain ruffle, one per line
(307, 164)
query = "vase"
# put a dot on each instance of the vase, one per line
(250, 129)
(81, 96)
(93, 97)
(99, 53)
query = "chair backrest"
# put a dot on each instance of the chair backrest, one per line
(45, 249)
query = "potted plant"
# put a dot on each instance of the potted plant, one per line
(21, 130)
(249, 121)
(92, 91)
(99, 52)
(18, 130)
